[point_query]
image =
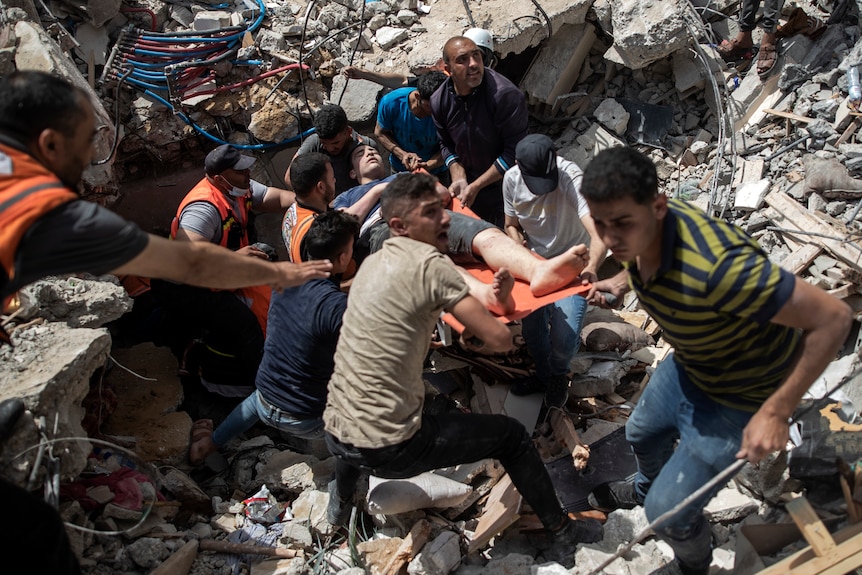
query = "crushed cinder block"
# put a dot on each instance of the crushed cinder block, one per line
(211, 20)
(730, 506)
(439, 557)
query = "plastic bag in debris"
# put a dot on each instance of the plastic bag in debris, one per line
(262, 507)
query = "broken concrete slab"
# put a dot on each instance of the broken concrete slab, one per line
(644, 32)
(358, 98)
(50, 369)
(85, 301)
(556, 67)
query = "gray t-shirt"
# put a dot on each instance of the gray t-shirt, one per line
(203, 218)
(340, 163)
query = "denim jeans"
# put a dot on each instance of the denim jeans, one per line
(673, 408)
(252, 410)
(450, 439)
(553, 335)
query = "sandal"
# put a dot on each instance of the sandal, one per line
(731, 51)
(766, 58)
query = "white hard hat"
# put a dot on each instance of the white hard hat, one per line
(480, 37)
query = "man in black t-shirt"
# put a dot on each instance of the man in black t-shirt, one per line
(46, 132)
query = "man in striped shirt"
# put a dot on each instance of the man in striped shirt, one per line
(749, 339)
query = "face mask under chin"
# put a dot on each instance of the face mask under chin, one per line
(238, 192)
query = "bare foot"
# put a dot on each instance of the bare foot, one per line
(201, 441)
(502, 287)
(496, 296)
(558, 272)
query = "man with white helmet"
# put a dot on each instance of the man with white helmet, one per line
(485, 41)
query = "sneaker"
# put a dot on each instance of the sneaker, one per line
(338, 510)
(527, 386)
(614, 495)
(565, 541)
(558, 392)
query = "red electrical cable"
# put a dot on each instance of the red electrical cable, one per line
(147, 10)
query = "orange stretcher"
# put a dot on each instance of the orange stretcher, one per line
(525, 301)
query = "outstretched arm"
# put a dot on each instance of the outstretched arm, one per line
(207, 265)
(479, 322)
(825, 321)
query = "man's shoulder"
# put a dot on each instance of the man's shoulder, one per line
(398, 95)
(310, 144)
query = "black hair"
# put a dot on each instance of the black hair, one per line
(330, 121)
(428, 83)
(306, 170)
(402, 193)
(329, 235)
(32, 101)
(618, 173)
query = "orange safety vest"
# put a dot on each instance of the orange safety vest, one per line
(234, 235)
(27, 193)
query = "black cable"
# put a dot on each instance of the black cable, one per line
(544, 15)
(469, 13)
(116, 119)
(308, 10)
(355, 48)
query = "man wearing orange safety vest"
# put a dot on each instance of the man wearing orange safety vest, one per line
(232, 324)
(46, 133)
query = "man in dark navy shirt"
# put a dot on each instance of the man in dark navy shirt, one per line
(302, 332)
(480, 117)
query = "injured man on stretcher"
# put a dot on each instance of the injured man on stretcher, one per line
(471, 241)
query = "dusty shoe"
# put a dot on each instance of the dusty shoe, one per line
(338, 510)
(558, 392)
(565, 541)
(608, 497)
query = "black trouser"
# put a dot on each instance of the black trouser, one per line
(451, 439)
(222, 319)
(34, 533)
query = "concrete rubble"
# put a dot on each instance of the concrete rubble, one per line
(779, 157)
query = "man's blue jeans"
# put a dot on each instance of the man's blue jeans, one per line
(709, 435)
(252, 410)
(553, 335)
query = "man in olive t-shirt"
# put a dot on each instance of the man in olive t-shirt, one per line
(374, 419)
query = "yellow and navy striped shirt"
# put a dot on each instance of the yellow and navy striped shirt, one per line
(714, 295)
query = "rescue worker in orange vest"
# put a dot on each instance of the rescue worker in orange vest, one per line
(46, 134)
(231, 325)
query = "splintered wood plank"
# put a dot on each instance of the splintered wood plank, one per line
(797, 217)
(788, 115)
(501, 510)
(845, 557)
(799, 260)
(409, 548)
(567, 436)
(810, 525)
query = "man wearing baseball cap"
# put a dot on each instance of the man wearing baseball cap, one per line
(219, 210)
(545, 211)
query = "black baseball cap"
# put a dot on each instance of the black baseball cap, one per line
(537, 159)
(226, 157)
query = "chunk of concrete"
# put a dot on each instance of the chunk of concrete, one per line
(612, 115)
(751, 196)
(388, 36)
(358, 98)
(211, 20)
(645, 32)
(439, 557)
